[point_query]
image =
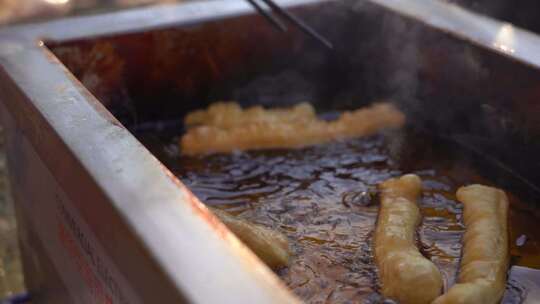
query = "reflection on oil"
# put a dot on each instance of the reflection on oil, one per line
(324, 199)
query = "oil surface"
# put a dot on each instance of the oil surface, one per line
(323, 198)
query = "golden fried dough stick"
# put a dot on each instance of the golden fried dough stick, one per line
(482, 276)
(230, 114)
(405, 274)
(225, 127)
(270, 246)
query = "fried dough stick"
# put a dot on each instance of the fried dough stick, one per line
(405, 274)
(230, 114)
(225, 127)
(270, 246)
(482, 277)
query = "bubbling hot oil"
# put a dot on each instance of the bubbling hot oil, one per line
(323, 198)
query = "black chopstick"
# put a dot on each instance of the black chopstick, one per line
(271, 18)
(291, 18)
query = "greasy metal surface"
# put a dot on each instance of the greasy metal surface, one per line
(11, 278)
(140, 19)
(158, 234)
(523, 13)
(203, 59)
(14, 11)
(484, 31)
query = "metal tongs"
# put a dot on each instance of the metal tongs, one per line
(280, 24)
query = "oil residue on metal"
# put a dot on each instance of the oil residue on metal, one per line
(324, 200)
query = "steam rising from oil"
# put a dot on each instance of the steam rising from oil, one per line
(446, 86)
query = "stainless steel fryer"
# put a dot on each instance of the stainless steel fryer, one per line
(102, 220)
